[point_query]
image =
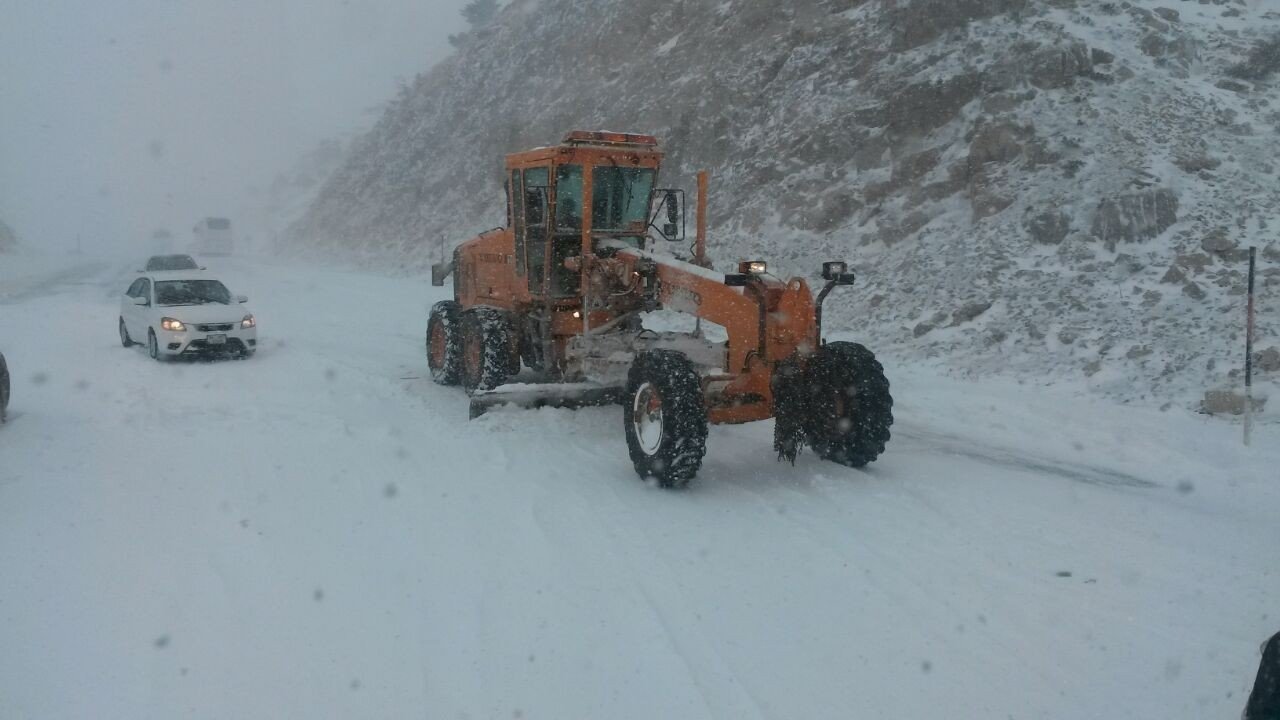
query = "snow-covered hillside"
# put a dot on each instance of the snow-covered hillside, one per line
(268, 212)
(1057, 188)
(319, 532)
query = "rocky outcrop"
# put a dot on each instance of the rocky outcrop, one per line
(1228, 402)
(1049, 228)
(1135, 217)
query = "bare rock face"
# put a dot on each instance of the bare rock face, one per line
(1267, 361)
(1049, 228)
(1136, 217)
(996, 142)
(923, 107)
(915, 166)
(987, 200)
(1218, 241)
(1174, 275)
(1058, 66)
(1228, 402)
(1193, 291)
(1194, 157)
(924, 21)
(969, 312)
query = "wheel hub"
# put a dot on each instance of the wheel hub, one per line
(647, 418)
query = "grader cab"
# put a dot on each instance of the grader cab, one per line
(561, 295)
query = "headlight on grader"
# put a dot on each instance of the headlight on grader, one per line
(753, 267)
(837, 272)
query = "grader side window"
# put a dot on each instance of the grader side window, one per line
(569, 199)
(515, 190)
(534, 208)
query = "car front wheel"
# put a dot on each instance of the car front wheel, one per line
(125, 340)
(4, 389)
(153, 347)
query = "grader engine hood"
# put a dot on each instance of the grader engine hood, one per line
(767, 319)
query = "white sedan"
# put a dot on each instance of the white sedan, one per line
(186, 313)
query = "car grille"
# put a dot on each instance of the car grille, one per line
(214, 328)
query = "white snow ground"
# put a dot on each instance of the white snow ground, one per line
(319, 532)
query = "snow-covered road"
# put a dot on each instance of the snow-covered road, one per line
(319, 532)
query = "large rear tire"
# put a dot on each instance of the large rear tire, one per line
(444, 343)
(850, 408)
(4, 389)
(665, 418)
(487, 346)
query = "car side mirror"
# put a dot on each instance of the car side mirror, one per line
(141, 301)
(242, 299)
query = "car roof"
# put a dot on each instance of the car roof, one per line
(170, 255)
(160, 275)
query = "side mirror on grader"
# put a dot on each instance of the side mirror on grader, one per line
(673, 214)
(440, 272)
(569, 302)
(671, 202)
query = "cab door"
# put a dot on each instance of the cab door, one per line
(566, 239)
(531, 191)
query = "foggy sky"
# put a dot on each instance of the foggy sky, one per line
(121, 116)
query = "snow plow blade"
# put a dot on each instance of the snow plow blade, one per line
(568, 396)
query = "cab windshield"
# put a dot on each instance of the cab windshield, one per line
(620, 198)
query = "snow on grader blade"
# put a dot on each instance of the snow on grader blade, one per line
(571, 396)
(565, 288)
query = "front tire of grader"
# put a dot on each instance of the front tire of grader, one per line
(444, 343)
(486, 349)
(665, 418)
(850, 405)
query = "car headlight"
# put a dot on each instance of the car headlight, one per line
(248, 322)
(172, 325)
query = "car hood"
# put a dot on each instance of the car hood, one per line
(212, 313)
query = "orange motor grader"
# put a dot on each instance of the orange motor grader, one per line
(561, 295)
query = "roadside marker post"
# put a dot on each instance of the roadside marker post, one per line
(1248, 351)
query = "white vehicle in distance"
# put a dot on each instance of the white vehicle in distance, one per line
(213, 237)
(185, 314)
(163, 263)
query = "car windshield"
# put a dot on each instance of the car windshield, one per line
(172, 262)
(191, 292)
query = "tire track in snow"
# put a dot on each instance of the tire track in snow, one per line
(724, 693)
